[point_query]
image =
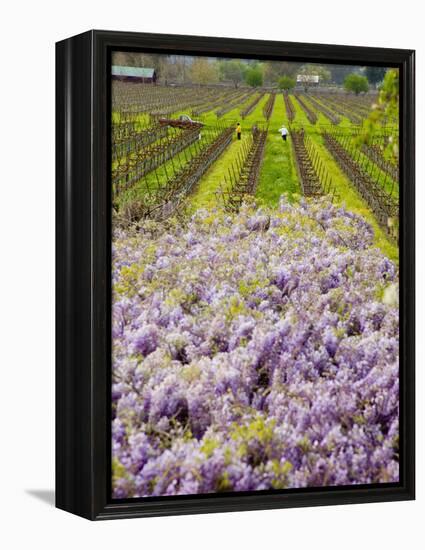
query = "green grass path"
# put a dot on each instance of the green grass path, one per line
(204, 194)
(278, 172)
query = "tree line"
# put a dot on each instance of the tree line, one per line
(203, 70)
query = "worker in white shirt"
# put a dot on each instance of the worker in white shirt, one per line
(284, 132)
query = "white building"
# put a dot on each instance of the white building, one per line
(308, 79)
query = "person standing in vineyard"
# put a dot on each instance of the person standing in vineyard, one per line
(284, 132)
(238, 130)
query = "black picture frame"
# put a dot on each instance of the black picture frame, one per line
(83, 265)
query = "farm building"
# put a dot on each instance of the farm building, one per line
(134, 74)
(308, 79)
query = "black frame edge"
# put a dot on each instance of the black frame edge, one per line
(407, 270)
(74, 483)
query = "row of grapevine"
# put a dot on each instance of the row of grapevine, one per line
(290, 110)
(328, 113)
(218, 102)
(341, 107)
(268, 107)
(381, 201)
(251, 106)
(230, 105)
(242, 176)
(129, 169)
(374, 152)
(164, 197)
(315, 180)
(127, 140)
(310, 114)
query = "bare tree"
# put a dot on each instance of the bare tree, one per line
(203, 72)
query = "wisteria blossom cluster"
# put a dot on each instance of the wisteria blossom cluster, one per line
(253, 351)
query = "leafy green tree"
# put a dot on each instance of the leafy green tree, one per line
(356, 83)
(232, 70)
(339, 72)
(286, 83)
(254, 76)
(386, 108)
(375, 75)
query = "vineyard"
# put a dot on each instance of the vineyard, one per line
(159, 162)
(255, 283)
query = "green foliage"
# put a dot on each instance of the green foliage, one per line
(233, 70)
(356, 83)
(385, 109)
(280, 471)
(247, 435)
(248, 287)
(304, 444)
(389, 93)
(339, 72)
(286, 83)
(224, 484)
(208, 446)
(120, 474)
(118, 470)
(254, 76)
(128, 282)
(234, 307)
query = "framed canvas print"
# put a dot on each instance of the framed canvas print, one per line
(235, 274)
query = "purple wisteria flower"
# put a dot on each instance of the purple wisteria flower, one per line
(253, 351)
